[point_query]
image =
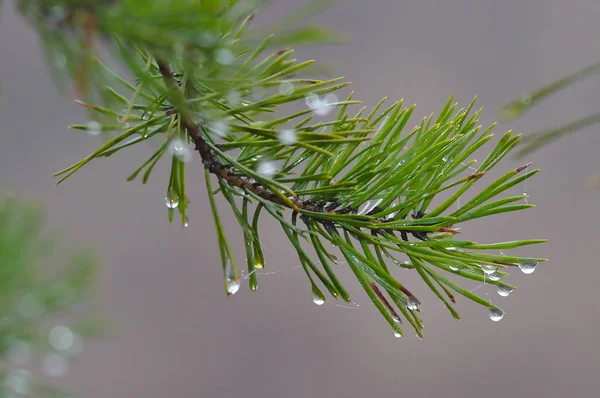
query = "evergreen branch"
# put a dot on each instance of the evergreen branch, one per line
(358, 181)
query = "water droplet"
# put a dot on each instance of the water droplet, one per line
(488, 269)
(454, 268)
(233, 283)
(233, 97)
(186, 222)
(267, 169)
(287, 137)
(258, 93)
(180, 149)
(396, 319)
(504, 291)
(494, 276)
(526, 99)
(224, 56)
(528, 267)
(219, 127)
(312, 100)
(172, 200)
(317, 298)
(30, 307)
(19, 380)
(94, 128)
(61, 338)
(55, 365)
(19, 353)
(286, 89)
(258, 265)
(412, 304)
(334, 257)
(208, 39)
(397, 334)
(496, 314)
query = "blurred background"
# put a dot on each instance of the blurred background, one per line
(175, 332)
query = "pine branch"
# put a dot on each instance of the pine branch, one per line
(357, 181)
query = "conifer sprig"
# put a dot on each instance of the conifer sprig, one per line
(386, 195)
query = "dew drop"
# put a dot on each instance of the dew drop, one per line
(94, 128)
(453, 268)
(233, 97)
(397, 334)
(19, 380)
(312, 100)
(180, 149)
(208, 39)
(30, 307)
(496, 314)
(258, 93)
(396, 319)
(335, 259)
(219, 127)
(287, 137)
(258, 265)
(528, 267)
(267, 169)
(61, 338)
(504, 291)
(494, 276)
(172, 200)
(233, 283)
(224, 56)
(318, 298)
(186, 222)
(55, 365)
(19, 353)
(286, 89)
(488, 269)
(412, 304)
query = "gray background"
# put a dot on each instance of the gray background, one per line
(176, 334)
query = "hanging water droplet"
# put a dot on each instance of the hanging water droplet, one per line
(488, 269)
(232, 286)
(180, 149)
(317, 298)
(504, 291)
(528, 267)
(397, 334)
(454, 268)
(496, 314)
(334, 257)
(323, 107)
(186, 222)
(396, 319)
(94, 128)
(224, 56)
(412, 304)
(286, 89)
(494, 276)
(172, 200)
(233, 283)
(267, 169)
(258, 264)
(19, 353)
(55, 365)
(287, 137)
(61, 338)
(219, 127)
